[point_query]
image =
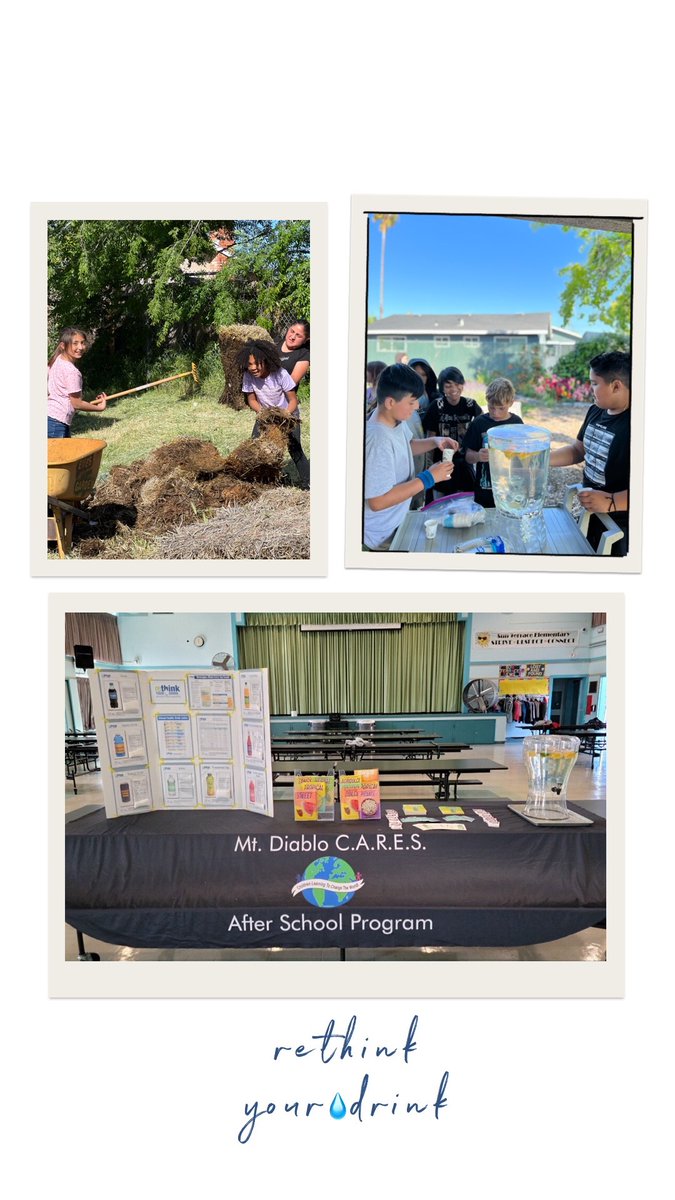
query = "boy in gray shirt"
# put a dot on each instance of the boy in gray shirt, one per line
(390, 480)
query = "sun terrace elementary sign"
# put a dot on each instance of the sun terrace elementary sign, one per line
(516, 639)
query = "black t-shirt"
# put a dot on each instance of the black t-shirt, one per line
(289, 358)
(474, 441)
(606, 442)
(450, 420)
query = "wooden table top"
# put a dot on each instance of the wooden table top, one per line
(562, 533)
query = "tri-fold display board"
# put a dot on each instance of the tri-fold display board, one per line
(183, 739)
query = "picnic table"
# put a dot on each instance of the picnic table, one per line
(81, 750)
(442, 772)
(359, 749)
(562, 533)
(342, 735)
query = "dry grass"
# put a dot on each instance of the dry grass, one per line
(276, 526)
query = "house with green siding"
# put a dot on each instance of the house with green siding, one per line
(477, 343)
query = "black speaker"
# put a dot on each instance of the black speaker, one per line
(84, 657)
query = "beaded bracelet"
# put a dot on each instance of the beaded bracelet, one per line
(427, 479)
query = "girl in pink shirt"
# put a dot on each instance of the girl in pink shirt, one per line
(64, 384)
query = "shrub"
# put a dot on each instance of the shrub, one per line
(576, 362)
(560, 388)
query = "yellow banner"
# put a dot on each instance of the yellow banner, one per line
(523, 687)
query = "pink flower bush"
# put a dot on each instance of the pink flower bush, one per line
(558, 388)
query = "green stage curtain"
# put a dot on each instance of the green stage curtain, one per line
(415, 669)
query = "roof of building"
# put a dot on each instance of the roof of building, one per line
(469, 323)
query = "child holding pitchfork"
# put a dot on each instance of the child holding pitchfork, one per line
(64, 384)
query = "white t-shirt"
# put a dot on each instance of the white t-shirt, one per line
(389, 461)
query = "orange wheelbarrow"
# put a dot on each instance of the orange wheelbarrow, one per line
(72, 467)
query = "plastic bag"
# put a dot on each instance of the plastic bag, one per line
(459, 511)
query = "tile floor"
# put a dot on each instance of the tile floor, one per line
(587, 787)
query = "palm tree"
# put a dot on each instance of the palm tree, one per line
(385, 221)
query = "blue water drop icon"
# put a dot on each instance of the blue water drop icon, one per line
(338, 1108)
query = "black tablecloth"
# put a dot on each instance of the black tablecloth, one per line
(225, 879)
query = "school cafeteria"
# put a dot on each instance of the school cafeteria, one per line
(335, 786)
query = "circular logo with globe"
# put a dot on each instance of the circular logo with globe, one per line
(328, 882)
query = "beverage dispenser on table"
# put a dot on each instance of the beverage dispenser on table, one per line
(519, 462)
(549, 760)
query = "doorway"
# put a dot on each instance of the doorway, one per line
(565, 701)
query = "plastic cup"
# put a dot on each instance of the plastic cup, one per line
(430, 528)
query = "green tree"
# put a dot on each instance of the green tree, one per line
(602, 284)
(385, 222)
(124, 282)
(575, 363)
(267, 281)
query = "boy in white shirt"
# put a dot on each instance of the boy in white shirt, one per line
(389, 475)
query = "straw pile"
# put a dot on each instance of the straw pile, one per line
(276, 526)
(260, 459)
(231, 339)
(174, 484)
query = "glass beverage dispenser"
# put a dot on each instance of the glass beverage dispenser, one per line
(549, 760)
(519, 461)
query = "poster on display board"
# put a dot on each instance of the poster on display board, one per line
(120, 693)
(214, 735)
(174, 735)
(216, 785)
(254, 742)
(126, 742)
(211, 690)
(179, 785)
(132, 790)
(203, 738)
(168, 691)
(251, 689)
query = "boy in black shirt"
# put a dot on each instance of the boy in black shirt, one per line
(450, 415)
(603, 445)
(500, 396)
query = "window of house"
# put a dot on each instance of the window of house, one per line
(471, 341)
(441, 341)
(392, 344)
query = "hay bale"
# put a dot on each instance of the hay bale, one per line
(276, 424)
(231, 339)
(276, 526)
(257, 459)
(225, 490)
(193, 455)
(121, 487)
(167, 501)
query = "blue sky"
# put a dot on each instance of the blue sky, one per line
(471, 264)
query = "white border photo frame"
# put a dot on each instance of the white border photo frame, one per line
(634, 211)
(317, 563)
(342, 980)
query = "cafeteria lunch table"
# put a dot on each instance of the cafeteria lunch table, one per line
(437, 771)
(290, 750)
